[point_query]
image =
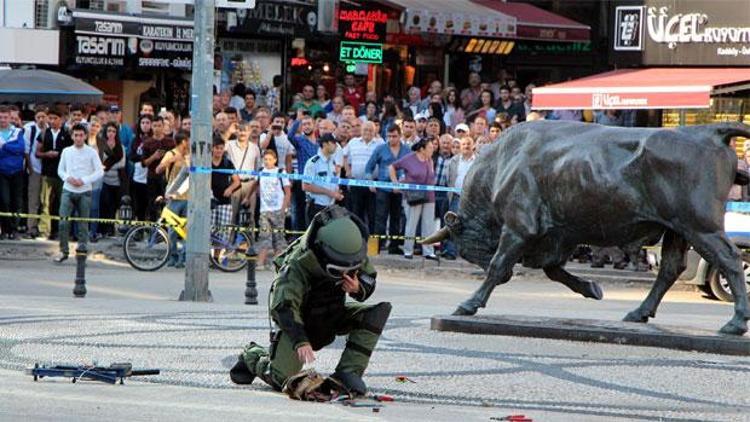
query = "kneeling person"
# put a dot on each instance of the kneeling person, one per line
(308, 303)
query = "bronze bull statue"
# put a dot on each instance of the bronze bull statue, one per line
(548, 186)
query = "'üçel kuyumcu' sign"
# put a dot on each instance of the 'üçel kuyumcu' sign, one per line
(672, 32)
(357, 24)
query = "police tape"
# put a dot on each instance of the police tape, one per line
(222, 228)
(743, 207)
(343, 181)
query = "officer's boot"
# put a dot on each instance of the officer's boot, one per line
(244, 371)
(359, 346)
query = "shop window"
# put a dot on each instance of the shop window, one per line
(115, 6)
(721, 110)
(155, 8)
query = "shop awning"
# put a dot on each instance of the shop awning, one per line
(533, 23)
(454, 17)
(642, 89)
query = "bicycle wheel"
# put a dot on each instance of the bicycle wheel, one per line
(146, 248)
(228, 250)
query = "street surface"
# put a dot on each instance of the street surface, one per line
(133, 316)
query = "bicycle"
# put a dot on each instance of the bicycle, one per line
(147, 248)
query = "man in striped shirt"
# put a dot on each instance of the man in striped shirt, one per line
(356, 155)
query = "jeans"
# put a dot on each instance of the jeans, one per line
(441, 205)
(80, 205)
(96, 194)
(413, 213)
(363, 206)
(51, 191)
(110, 201)
(11, 199)
(176, 255)
(139, 195)
(34, 194)
(449, 247)
(388, 213)
(311, 209)
(237, 197)
(154, 188)
(299, 205)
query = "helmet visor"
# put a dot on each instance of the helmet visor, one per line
(338, 271)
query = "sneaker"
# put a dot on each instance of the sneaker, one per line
(12, 236)
(431, 257)
(407, 256)
(395, 251)
(449, 257)
(33, 234)
(60, 258)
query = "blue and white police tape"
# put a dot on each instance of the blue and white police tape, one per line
(743, 207)
(331, 180)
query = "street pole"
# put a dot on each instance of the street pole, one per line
(199, 206)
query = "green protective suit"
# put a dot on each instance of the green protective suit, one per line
(310, 308)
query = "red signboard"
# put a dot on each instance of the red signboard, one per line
(357, 24)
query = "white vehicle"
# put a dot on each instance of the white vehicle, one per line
(700, 273)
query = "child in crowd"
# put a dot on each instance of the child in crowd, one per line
(275, 195)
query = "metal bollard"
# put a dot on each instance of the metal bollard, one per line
(251, 290)
(80, 283)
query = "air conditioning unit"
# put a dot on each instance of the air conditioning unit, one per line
(236, 4)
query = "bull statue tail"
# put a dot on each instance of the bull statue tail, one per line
(722, 133)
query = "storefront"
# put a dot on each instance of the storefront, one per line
(131, 58)
(295, 40)
(682, 34)
(688, 62)
(448, 39)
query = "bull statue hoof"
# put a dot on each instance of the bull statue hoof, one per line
(461, 311)
(635, 316)
(592, 291)
(734, 328)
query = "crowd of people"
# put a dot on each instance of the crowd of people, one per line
(83, 160)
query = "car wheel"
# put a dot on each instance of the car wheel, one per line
(719, 285)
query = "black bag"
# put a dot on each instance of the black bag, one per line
(416, 197)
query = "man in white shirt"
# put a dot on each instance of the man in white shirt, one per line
(244, 154)
(79, 167)
(457, 169)
(32, 132)
(278, 141)
(356, 155)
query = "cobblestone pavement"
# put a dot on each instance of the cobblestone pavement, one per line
(457, 376)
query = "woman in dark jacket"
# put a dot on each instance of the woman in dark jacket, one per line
(138, 187)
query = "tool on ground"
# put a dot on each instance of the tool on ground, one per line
(358, 403)
(404, 378)
(512, 418)
(382, 397)
(109, 374)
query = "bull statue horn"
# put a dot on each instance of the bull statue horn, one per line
(436, 237)
(451, 219)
